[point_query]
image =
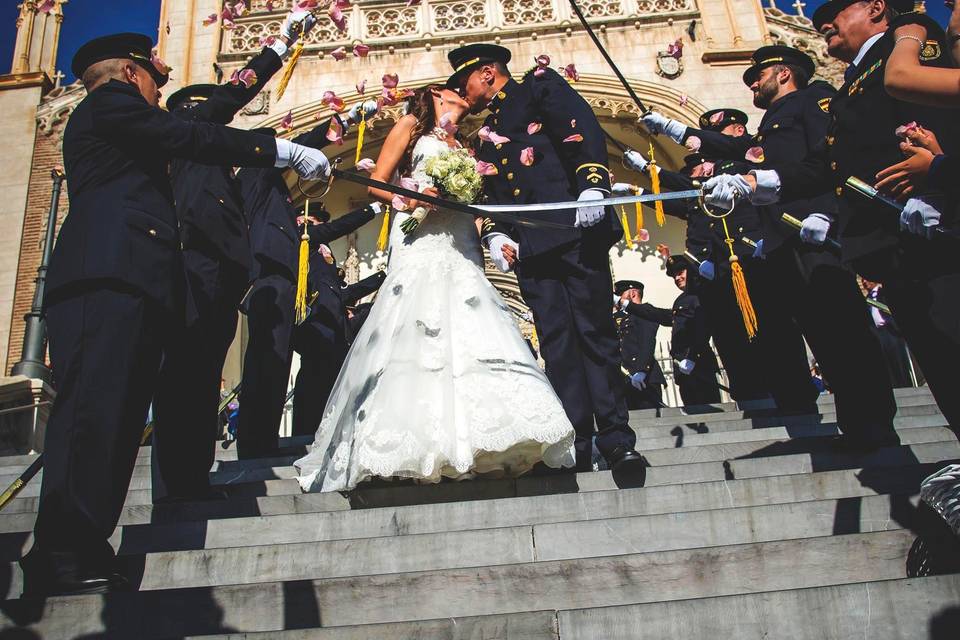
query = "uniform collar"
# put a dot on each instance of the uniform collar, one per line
(866, 48)
(500, 96)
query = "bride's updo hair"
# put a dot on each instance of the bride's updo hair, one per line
(420, 106)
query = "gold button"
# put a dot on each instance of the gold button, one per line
(494, 121)
(833, 165)
(759, 138)
(153, 232)
(501, 95)
(499, 146)
(504, 161)
(830, 140)
(510, 176)
(221, 201)
(711, 225)
(704, 250)
(256, 149)
(740, 230)
(776, 126)
(839, 191)
(516, 192)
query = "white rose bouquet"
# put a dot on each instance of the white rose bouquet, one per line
(455, 176)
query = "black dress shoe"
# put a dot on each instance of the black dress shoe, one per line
(72, 584)
(623, 460)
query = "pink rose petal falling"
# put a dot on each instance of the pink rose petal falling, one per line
(574, 138)
(266, 41)
(533, 128)
(339, 53)
(210, 19)
(362, 87)
(542, 60)
(904, 129)
(390, 81)
(684, 99)
(570, 72)
(527, 156)
(399, 203)
(717, 117)
(448, 125)
(306, 5)
(247, 77)
(287, 121)
(675, 49)
(337, 17)
(663, 250)
(335, 131)
(333, 101)
(159, 64)
(643, 235)
(269, 5)
(486, 168)
(360, 50)
(46, 6)
(413, 3)
(367, 165)
(410, 183)
(693, 143)
(754, 154)
(488, 135)
(707, 168)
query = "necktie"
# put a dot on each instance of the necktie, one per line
(877, 315)
(850, 73)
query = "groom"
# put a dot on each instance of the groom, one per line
(547, 146)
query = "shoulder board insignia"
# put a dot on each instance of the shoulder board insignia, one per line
(930, 51)
(824, 104)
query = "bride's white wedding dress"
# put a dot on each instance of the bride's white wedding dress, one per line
(439, 382)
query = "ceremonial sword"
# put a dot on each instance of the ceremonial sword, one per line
(506, 213)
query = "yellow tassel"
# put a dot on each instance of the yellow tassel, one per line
(303, 268)
(534, 340)
(288, 72)
(655, 186)
(384, 236)
(750, 322)
(361, 129)
(626, 228)
(639, 208)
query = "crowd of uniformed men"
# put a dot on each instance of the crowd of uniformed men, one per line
(142, 307)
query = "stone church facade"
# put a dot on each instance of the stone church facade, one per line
(411, 41)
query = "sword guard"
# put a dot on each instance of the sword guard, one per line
(702, 203)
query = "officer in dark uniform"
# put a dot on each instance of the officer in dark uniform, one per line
(269, 304)
(774, 363)
(114, 289)
(216, 257)
(322, 339)
(920, 276)
(694, 361)
(638, 345)
(564, 275)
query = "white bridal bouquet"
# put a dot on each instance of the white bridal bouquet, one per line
(455, 176)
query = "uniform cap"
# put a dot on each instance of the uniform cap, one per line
(132, 46)
(465, 59)
(776, 54)
(188, 94)
(623, 285)
(718, 119)
(828, 10)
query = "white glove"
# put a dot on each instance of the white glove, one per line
(587, 216)
(815, 228)
(309, 163)
(634, 160)
(625, 189)
(919, 218)
(656, 123)
(280, 48)
(758, 252)
(686, 366)
(768, 187)
(293, 21)
(707, 270)
(639, 380)
(723, 190)
(618, 302)
(369, 110)
(495, 244)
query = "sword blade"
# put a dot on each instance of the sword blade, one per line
(605, 202)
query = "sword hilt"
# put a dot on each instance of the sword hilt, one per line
(797, 224)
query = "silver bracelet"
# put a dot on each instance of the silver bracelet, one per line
(918, 40)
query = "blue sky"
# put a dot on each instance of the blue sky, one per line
(86, 19)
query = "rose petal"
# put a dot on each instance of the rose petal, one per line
(410, 183)
(707, 169)
(526, 157)
(643, 235)
(266, 41)
(47, 6)
(332, 101)
(210, 19)
(486, 168)
(360, 50)
(574, 138)
(248, 77)
(496, 138)
(573, 123)
(684, 99)
(570, 72)
(663, 250)
(413, 3)
(335, 131)
(448, 125)
(228, 24)
(343, 4)
(540, 71)
(693, 143)
(399, 203)
(542, 60)
(484, 134)
(367, 165)
(390, 80)
(339, 53)
(754, 154)
(717, 117)
(337, 17)
(533, 127)
(269, 5)
(362, 87)
(159, 64)
(287, 121)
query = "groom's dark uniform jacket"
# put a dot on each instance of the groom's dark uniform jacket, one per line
(564, 275)
(216, 255)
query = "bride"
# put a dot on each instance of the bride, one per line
(439, 382)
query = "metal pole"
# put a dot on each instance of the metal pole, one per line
(33, 356)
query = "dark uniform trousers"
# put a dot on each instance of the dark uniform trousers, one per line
(570, 295)
(106, 340)
(114, 289)
(216, 260)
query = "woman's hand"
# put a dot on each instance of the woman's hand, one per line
(429, 191)
(925, 138)
(903, 178)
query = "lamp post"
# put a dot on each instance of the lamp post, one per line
(33, 356)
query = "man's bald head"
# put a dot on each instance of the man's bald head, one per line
(122, 70)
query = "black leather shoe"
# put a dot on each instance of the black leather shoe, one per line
(623, 460)
(71, 584)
